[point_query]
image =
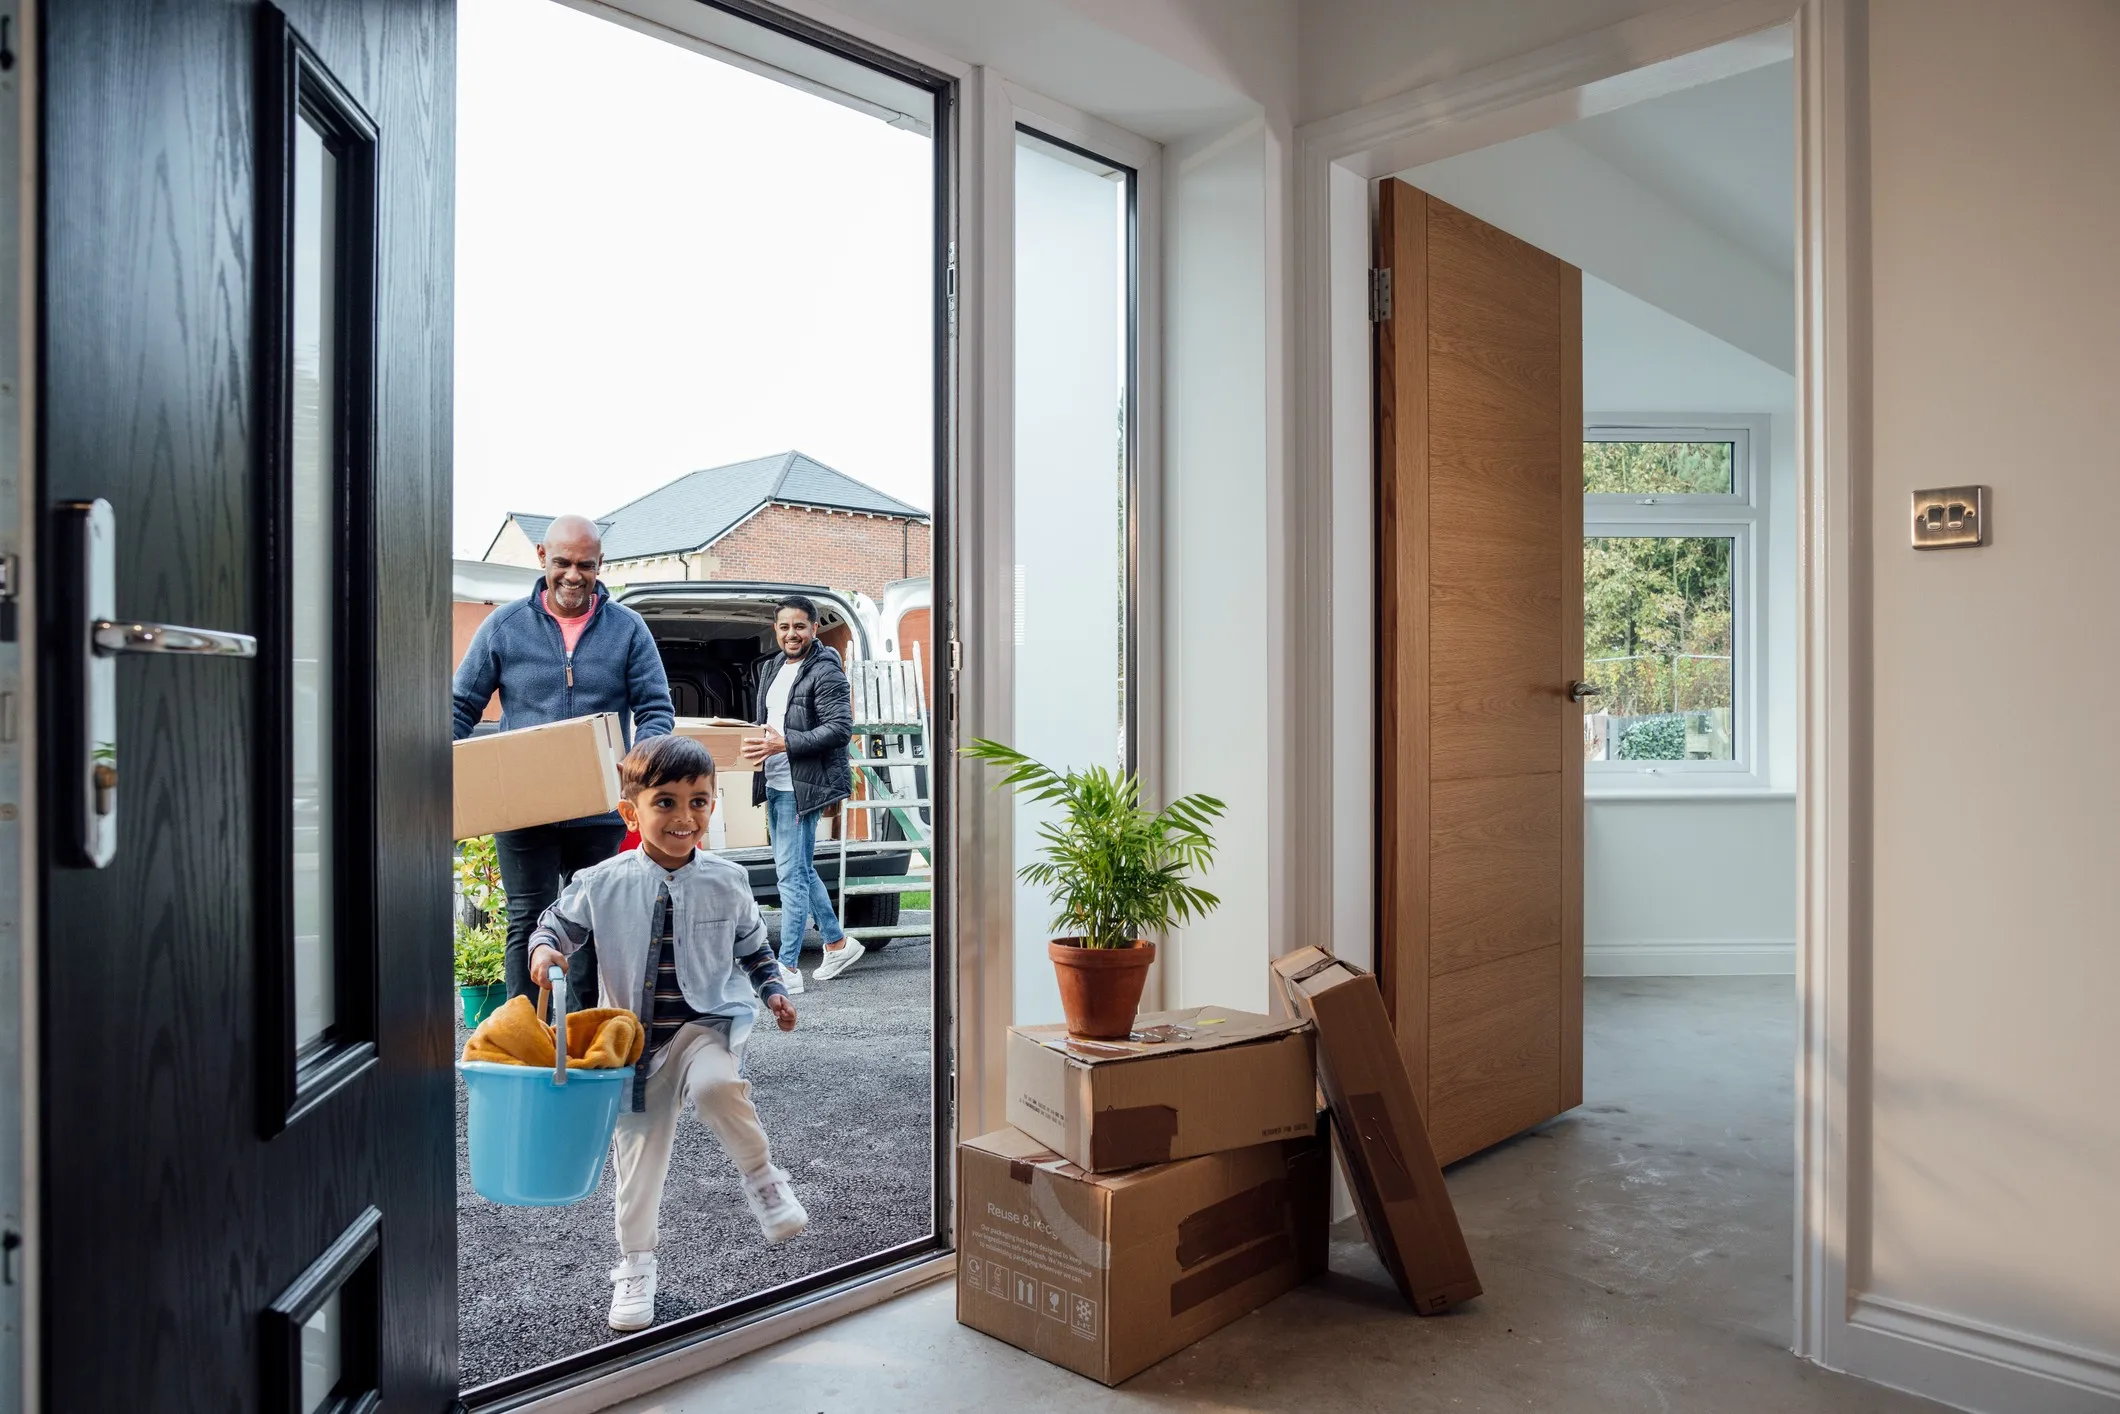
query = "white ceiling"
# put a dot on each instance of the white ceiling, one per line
(1724, 153)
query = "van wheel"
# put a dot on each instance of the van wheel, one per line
(872, 911)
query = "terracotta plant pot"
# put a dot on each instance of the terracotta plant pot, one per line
(1100, 988)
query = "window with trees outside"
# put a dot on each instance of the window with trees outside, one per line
(1670, 521)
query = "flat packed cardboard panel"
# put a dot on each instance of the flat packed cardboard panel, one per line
(1105, 1274)
(537, 775)
(723, 738)
(1398, 1186)
(1199, 1081)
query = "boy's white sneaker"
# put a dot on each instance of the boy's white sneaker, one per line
(773, 1203)
(633, 1292)
(838, 960)
(791, 978)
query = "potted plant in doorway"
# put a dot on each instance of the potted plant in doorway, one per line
(1117, 871)
(481, 930)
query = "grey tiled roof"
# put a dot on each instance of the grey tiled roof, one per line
(536, 526)
(699, 508)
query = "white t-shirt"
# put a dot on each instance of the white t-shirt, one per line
(778, 776)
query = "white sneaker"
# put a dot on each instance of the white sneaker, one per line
(838, 960)
(791, 978)
(633, 1292)
(773, 1203)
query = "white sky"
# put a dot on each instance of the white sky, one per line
(665, 263)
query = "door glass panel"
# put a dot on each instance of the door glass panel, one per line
(323, 1359)
(1657, 643)
(316, 190)
(1071, 519)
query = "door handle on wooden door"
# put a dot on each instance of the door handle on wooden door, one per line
(84, 537)
(1578, 691)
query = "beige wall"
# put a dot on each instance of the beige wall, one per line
(512, 547)
(1996, 215)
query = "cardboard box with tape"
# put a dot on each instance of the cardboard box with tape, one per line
(1398, 1186)
(1105, 1274)
(1197, 1082)
(537, 775)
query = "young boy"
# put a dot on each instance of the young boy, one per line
(672, 928)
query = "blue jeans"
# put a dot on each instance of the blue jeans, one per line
(802, 895)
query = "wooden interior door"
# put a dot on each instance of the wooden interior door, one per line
(1479, 558)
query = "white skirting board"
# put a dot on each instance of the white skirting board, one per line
(1972, 1365)
(1686, 957)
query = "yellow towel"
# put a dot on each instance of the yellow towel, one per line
(602, 1038)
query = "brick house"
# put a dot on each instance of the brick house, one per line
(784, 517)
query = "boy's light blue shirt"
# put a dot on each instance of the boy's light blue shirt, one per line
(720, 935)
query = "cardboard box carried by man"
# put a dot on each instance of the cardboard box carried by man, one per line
(537, 775)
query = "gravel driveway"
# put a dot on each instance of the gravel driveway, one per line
(847, 1100)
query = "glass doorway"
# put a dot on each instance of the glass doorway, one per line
(699, 303)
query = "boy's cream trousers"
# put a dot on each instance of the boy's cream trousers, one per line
(698, 1067)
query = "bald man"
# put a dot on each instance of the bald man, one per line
(564, 651)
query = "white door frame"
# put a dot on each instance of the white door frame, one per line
(1330, 548)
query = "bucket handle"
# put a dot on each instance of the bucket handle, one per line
(556, 989)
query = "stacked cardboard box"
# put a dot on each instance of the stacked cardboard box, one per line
(1155, 1189)
(1151, 1191)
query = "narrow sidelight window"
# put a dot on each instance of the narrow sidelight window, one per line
(316, 332)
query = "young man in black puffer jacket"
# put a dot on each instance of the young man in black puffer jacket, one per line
(802, 770)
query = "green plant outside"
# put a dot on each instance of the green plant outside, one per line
(1117, 871)
(1656, 739)
(481, 947)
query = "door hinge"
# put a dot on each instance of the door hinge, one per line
(1379, 296)
(10, 579)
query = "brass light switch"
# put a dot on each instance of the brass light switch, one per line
(1952, 518)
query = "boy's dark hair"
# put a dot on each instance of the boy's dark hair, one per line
(660, 760)
(798, 601)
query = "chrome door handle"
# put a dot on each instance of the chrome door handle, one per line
(170, 638)
(87, 636)
(1577, 691)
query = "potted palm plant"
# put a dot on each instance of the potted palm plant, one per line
(1117, 871)
(481, 935)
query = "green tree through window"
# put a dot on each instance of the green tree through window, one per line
(1657, 611)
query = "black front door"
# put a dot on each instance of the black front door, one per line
(243, 398)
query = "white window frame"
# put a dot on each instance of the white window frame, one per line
(1740, 515)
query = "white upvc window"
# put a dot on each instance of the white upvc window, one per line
(1673, 516)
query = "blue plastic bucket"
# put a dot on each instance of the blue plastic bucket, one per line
(536, 1143)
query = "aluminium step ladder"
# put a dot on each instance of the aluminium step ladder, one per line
(889, 754)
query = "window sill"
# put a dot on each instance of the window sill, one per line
(1637, 794)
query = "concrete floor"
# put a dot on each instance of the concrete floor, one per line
(1635, 1254)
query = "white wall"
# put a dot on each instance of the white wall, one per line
(1994, 1136)
(1568, 201)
